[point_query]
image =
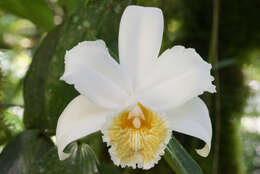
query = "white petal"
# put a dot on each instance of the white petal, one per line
(180, 74)
(80, 118)
(95, 74)
(140, 37)
(192, 119)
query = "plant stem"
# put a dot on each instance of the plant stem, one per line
(213, 59)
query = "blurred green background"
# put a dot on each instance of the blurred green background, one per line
(34, 35)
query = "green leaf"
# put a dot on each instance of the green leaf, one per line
(23, 151)
(35, 116)
(45, 95)
(82, 161)
(108, 169)
(35, 10)
(179, 159)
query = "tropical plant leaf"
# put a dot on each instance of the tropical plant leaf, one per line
(82, 161)
(34, 83)
(179, 159)
(35, 10)
(23, 151)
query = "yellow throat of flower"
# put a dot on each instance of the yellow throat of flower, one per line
(137, 137)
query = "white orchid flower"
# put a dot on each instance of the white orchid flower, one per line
(139, 102)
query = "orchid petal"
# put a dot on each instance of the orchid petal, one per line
(95, 74)
(80, 118)
(140, 37)
(192, 119)
(180, 75)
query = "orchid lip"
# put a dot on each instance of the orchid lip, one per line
(136, 137)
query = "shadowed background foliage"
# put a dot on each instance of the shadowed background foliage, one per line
(34, 35)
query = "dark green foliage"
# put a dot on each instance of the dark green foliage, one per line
(83, 161)
(34, 84)
(23, 152)
(179, 159)
(35, 10)
(239, 29)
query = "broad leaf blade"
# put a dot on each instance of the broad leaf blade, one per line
(23, 151)
(179, 159)
(82, 161)
(35, 10)
(35, 116)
